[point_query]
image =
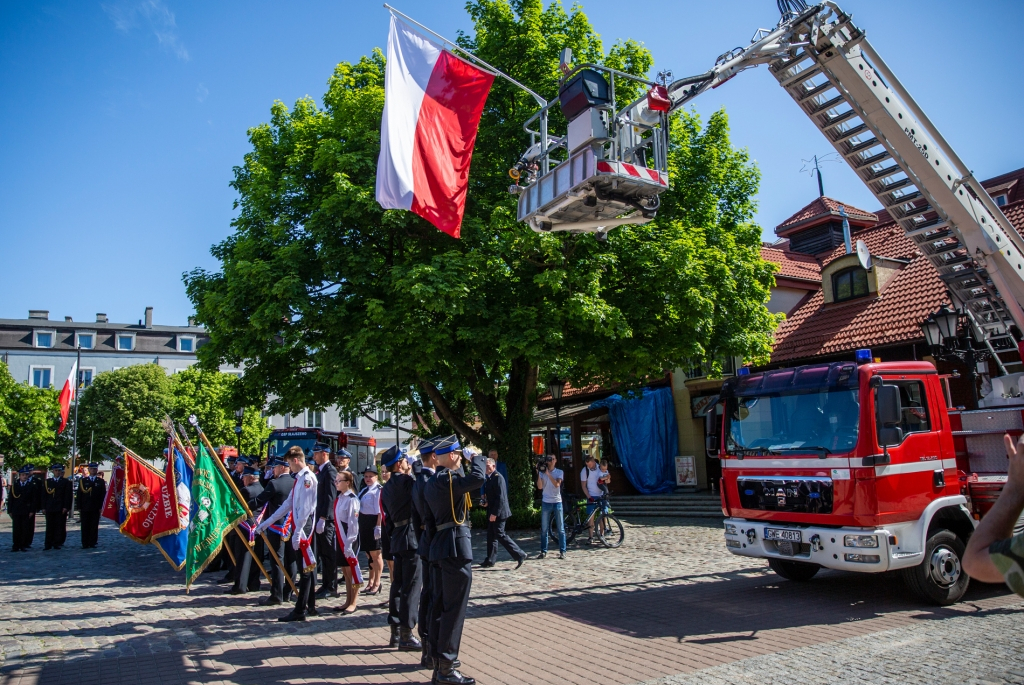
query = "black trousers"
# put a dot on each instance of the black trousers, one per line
(90, 528)
(276, 577)
(436, 590)
(24, 529)
(456, 580)
(56, 530)
(306, 599)
(495, 534)
(246, 574)
(406, 588)
(426, 594)
(327, 555)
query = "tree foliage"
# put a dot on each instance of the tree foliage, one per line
(327, 299)
(29, 419)
(210, 396)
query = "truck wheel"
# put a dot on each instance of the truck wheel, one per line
(940, 578)
(793, 570)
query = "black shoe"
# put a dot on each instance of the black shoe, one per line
(312, 611)
(541, 555)
(292, 617)
(229, 578)
(486, 564)
(234, 591)
(322, 593)
(561, 555)
(47, 549)
(448, 673)
(407, 642)
(519, 562)
(394, 637)
(270, 602)
(425, 660)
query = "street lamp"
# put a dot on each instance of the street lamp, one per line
(555, 387)
(940, 332)
(239, 414)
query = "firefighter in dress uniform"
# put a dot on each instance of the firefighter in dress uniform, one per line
(26, 495)
(56, 504)
(423, 522)
(92, 490)
(301, 504)
(447, 496)
(407, 583)
(273, 496)
(247, 576)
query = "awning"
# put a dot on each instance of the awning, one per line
(545, 416)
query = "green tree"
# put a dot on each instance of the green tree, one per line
(210, 396)
(327, 299)
(29, 419)
(128, 404)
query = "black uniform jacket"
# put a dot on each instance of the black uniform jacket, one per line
(396, 499)
(57, 495)
(326, 491)
(422, 519)
(251, 493)
(91, 492)
(275, 492)
(25, 497)
(445, 495)
(497, 496)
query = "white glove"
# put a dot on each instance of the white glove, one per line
(261, 528)
(295, 541)
(320, 525)
(376, 532)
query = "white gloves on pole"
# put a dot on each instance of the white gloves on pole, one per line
(320, 525)
(376, 532)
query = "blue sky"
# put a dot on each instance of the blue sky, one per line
(121, 120)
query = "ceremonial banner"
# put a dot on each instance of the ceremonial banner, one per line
(113, 502)
(151, 506)
(174, 544)
(215, 511)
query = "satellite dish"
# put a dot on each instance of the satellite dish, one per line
(863, 255)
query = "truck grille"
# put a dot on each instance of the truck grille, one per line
(801, 495)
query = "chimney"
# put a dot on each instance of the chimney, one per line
(68, 319)
(149, 317)
(38, 314)
(191, 322)
(101, 318)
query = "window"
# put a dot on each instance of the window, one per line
(125, 342)
(914, 403)
(45, 338)
(314, 419)
(41, 376)
(383, 416)
(349, 419)
(849, 283)
(1000, 199)
(186, 343)
(85, 377)
(86, 341)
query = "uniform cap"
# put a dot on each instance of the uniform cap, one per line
(309, 461)
(56, 466)
(27, 468)
(275, 461)
(93, 465)
(426, 446)
(391, 457)
(250, 471)
(370, 468)
(321, 447)
(446, 444)
(243, 459)
(344, 453)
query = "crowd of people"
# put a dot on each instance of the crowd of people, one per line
(56, 498)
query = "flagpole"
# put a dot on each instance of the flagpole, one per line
(494, 70)
(78, 374)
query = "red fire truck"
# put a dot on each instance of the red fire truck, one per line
(859, 467)
(361, 447)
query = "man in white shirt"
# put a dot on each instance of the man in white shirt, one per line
(549, 481)
(590, 480)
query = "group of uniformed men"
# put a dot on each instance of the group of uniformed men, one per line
(54, 497)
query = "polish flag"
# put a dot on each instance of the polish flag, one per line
(432, 106)
(67, 396)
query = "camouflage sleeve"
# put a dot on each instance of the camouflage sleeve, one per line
(1008, 557)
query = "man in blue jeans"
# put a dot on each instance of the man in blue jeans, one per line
(550, 482)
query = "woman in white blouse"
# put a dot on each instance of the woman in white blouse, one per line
(370, 520)
(346, 517)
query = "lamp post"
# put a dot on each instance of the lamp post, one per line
(239, 414)
(555, 387)
(941, 333)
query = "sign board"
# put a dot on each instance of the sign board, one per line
(686, 471)
(700, 406)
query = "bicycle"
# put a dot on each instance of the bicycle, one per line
(607, 528)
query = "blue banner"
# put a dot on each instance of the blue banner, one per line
(174, 545)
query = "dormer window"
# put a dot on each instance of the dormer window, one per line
(1000, 199)
(849, 284)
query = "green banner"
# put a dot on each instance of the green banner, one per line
(215, 511)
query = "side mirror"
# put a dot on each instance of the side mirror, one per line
(889, 411)
(711, 427)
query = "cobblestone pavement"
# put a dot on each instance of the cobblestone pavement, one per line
(670, 606)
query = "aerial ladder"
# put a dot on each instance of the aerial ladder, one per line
(611, 166)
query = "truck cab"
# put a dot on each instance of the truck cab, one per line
(845, 465)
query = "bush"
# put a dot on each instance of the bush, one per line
(522, 519)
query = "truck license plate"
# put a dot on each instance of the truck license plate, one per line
(782, 534)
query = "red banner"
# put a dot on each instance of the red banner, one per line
(151, 507)
(115, 495)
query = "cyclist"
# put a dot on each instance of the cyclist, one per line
(591, 479)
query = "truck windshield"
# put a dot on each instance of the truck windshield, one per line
(817, 420)
(280, 443)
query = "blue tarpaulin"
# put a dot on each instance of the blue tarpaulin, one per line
(646, 438)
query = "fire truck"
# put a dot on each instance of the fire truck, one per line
(361, 447)
(850, 465)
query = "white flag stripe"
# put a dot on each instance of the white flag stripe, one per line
(411, 60)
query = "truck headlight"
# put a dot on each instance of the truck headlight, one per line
(730, 529)
(862, 558)
(860, 541)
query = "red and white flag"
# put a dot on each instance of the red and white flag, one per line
(67, 396)
(432, 106)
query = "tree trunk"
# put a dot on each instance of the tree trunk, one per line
(514, 450)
